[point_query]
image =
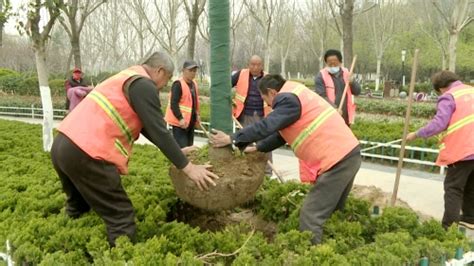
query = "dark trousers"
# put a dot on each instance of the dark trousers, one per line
(184, 137)
(93, 184)
(328, 195)
(459, 193)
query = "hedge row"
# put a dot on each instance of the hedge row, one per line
(32, 217)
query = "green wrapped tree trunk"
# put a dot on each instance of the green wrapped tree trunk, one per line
(221, 102)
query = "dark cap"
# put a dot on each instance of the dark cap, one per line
(77, 70)
(190, 64)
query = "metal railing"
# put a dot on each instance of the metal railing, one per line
(383, 151)
(393, 151)
(30, 112)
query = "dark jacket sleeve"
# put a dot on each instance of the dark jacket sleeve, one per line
(272, 142)
(176, 94)
(286, 111)
(235, 78)
(320, 88)
(145, 101)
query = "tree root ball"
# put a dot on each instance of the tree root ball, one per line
(240, 178)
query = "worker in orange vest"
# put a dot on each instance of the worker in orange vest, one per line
(316, 133)
(95, 141)
(182, 112)
(454, 120)
(330, 83)
(248, 105)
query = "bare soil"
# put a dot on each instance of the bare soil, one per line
(217, 221)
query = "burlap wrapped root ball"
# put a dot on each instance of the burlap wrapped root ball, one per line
(240, 177)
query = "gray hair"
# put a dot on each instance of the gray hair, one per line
(159, 59)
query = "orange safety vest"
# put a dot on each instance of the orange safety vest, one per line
(331, 91)
(241, 92)
(185, 104)
(458, 140)
(320, 137)
(308, 173)
(104, 124)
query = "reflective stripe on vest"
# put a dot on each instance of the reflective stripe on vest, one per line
(185, 104)
(120, 147)
(312, 127)
(241, 92)
(102, 101)
(319, 137)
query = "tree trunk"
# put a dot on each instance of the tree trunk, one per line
(141, 39)
(377, 74)
(232, 49)
(41, 68)
(1, 24)
(321, 56)
(443, 60)
(347, 37)
(177, 67)
(266, 50)
(219, 25)
(283, 66)
(192, 37)
(68, 65)
(453, 40)
(76, 50)
(1, 33)
(341, 47)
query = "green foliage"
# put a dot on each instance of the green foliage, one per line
(32, 217)
(7, 72)
(27, 85)
(395, 107)
(276, 203)
(57, 87)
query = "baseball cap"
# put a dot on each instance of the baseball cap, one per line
(190, 64)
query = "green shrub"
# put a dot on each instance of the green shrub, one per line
(57, 87)
(395, 107)
(7, 72)
(32, 217)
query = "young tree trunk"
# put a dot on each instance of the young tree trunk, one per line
(377, 74)
(321, 56)
(283, 65)
(1, 33)
(232, 48)
(41, 68)
(347, 35)
(1, 24)
(68, 65)
(193, 23)
(76, 51)
(443, 60)
(266, 51)
(453, 40)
